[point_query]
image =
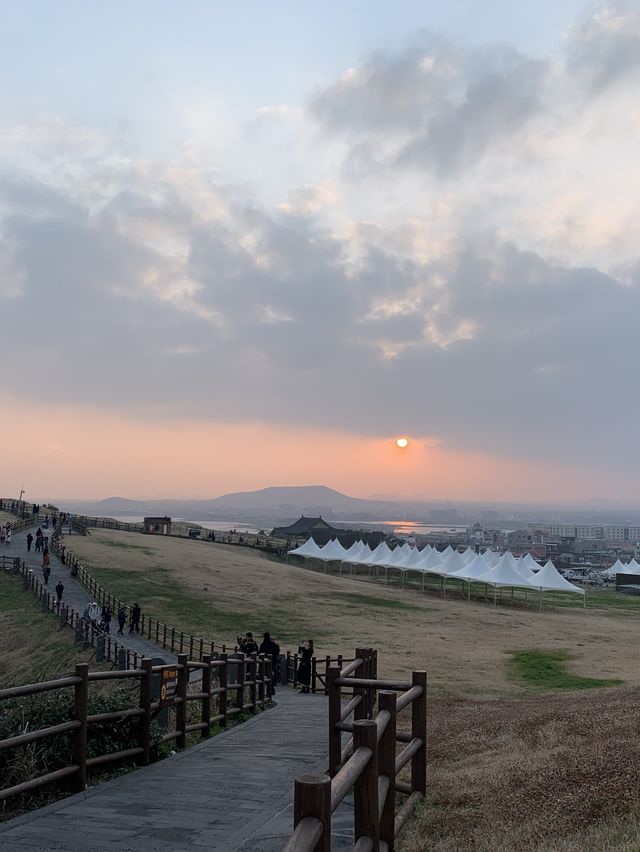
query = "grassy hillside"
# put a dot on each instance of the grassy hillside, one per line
(34, 648)
(523, 754)
(217, 591)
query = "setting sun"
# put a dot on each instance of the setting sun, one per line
(402, 443)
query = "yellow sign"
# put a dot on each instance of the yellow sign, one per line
(168, 684)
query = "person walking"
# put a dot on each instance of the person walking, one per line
(106, 619)
(39, 540)
(59, 591)
(29, 542)
(269, 646)
(122, 620)
(303, 675)
(135, 619)
(8, 535)
(46, 566)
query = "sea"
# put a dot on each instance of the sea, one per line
(407, 528)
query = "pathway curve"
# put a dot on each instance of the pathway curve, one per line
(232, 792)
(76, 595)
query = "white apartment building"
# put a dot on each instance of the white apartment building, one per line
(616, 533)
(586, 531)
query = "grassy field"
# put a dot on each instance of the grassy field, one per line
(524, 752)
(217, 591)
(34, 648)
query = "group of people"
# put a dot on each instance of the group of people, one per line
(248, 645)
(5, 534)
(41, 540)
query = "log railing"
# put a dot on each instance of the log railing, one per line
(224, 685)
(369, 764)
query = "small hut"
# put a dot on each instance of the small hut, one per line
(157, 526)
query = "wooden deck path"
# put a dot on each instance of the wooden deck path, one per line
(232, 792)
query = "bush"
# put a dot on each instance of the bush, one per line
(22, 715)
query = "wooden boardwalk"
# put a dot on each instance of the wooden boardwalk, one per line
(232, 792)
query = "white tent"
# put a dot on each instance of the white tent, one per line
(468, 555)
(355, 552)
(475, 571)
(448, 549)
(630, 568)
(416, 555)
(549, 580)
(332, 551)
(308, 549)
(617, 567)
(521, 567)
(504, 575)
(530, 562)
(491, 558)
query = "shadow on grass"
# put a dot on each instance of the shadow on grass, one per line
(547, 670)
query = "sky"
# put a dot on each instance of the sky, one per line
(250, 244)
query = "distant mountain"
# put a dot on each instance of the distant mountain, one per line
(276, 502)
(302, 497)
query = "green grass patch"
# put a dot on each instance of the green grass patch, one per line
(161, 595)
(34, 646)
(548, 670)
(125, 545)
(371, 602)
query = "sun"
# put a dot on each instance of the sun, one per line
(403, 443)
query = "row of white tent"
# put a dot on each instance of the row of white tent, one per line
(491, 568)
(619, 567)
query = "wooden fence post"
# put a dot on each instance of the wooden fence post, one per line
(295, 670)
(419, 729)
(223, 682)
(241, 668)
(335, 711)
(173, 636)
(268, 673)
(367, 821)
(312, 798)
(181, 692)
(80, 709)
(361, 710)
(253, 690)
(313, 675)
(387, 766)
(145, 704)
(261, 667)
(206, 701)
(287, 667)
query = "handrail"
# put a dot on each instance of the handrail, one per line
(372, 767)
(256, 676)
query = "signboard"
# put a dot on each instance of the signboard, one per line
(168, 684)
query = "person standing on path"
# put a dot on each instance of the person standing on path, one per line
(106, 618)
(135, 619)
(38, 540)
(46, 566)
(59, 591)
(8, 536)
(268, 646)
(29, 542)
(122, 620)
(303, 675)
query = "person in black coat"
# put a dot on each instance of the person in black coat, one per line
(268, 646)
(303, 675)
(135, 619)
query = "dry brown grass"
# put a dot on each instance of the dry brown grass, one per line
(220, 590)
(509, 769)
(531, 774)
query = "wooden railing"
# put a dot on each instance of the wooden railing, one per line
(228, 681)
(369, 764)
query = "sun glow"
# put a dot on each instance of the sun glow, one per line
(403, 443)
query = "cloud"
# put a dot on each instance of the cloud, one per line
(486, 346)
